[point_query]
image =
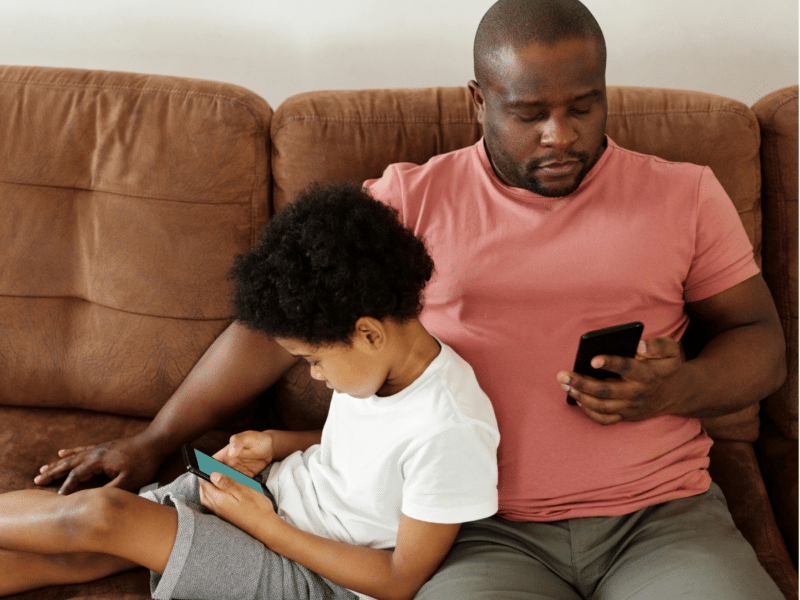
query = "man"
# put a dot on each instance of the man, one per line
(540, 232)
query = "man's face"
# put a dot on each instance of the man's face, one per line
(543, 111)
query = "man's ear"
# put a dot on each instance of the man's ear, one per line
(371, 332)
(477, 99)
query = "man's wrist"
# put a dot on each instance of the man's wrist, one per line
(157, 443)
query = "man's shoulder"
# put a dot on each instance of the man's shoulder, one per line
(633, 162)
(437, 166)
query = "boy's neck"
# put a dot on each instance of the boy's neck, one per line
(412, 350)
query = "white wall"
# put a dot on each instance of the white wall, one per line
(282, 47)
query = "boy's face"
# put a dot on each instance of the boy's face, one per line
(345, 368)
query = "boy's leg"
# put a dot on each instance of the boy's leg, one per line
(102, 520)
(23, 571)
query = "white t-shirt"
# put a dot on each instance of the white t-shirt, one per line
(429, 452)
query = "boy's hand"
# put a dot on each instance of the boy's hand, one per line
(249, 452)
(236, 503)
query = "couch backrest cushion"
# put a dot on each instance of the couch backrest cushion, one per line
(124, 198)
(327, 136)
(777, 115)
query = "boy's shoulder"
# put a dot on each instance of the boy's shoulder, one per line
(451, 383)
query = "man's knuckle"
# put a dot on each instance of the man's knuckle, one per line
(603, 393)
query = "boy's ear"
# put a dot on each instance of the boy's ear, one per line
(372, 332)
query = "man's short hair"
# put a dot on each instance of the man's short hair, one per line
(517, 23)
(334, 255)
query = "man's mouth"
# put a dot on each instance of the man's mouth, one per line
(558, 168)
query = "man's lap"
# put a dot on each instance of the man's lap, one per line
(687, 548)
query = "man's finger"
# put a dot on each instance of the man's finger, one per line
(616, 364)
(56, 470)
(602, 418)
(80, 474)
(118, 481)
(71, 451)
(659, 347)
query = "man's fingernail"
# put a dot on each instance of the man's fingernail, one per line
(642, 349)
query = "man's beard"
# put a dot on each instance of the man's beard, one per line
(524, 178)
(528, 181)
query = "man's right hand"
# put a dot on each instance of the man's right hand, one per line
(127, 462)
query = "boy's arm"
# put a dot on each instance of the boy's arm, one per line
(383, 574)
(285, 443)
(235, 369)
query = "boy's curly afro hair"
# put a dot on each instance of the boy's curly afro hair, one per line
(332, 256)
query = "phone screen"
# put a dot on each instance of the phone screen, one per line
(210, 465)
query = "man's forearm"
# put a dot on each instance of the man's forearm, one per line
(737, 368)
(235, 370)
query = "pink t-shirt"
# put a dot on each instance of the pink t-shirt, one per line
(520, 277)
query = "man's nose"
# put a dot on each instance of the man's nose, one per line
(559, 133)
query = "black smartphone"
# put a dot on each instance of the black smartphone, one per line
(203, 465)
(620, 340)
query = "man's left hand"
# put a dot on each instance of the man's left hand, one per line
(642, 392)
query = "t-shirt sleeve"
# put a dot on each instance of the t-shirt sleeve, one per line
(388, 188)
(723, 254)
(452, 477)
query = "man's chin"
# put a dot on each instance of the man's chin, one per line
(551, 190)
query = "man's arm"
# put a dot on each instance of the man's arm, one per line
(744, 361)
(235, 369)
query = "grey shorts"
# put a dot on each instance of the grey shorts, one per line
(687, 549)
(213, 559)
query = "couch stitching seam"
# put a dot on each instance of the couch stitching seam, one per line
(114, 308)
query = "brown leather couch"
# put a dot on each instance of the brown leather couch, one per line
(124, 197)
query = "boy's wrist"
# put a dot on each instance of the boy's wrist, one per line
(269, 529)
(285, 443)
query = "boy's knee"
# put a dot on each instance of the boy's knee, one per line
(93, 514)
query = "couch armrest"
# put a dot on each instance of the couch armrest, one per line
(734, 468)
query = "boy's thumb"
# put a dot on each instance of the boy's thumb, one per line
(220, 480)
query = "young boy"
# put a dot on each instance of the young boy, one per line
(368, 506)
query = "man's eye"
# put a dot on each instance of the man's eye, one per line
(527, 118)
(578, 111)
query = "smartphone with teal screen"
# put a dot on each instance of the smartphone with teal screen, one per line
(203, 465)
